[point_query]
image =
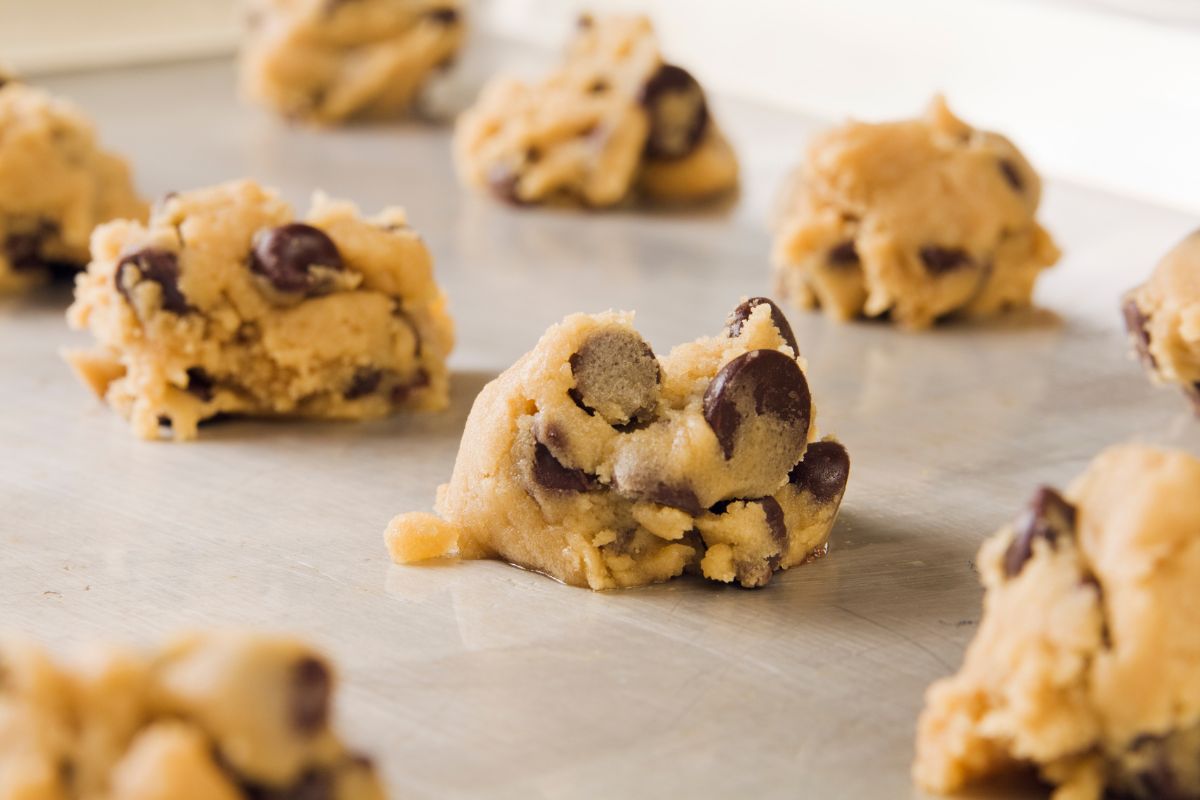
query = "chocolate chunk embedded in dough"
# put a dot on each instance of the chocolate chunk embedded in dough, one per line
(1048, 517)
(616, 375)
(761, 383)
(823, 471)
(309, 694)
(678, 112)
(152, 264)
(292, 256)
(742, 313)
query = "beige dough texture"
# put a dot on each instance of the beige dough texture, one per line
(597, 463)
(915, 220)
(615, 121)
(227, 304)
(215, 716)
(327, 61)
(56, 185)
(1086, 664)
(1163, 319)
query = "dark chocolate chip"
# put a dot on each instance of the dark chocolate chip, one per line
(940, 260)
(844, 254)
(772, 380)
(160, 266)
(24, 250)
(200, 383)
(365, 381)
(775, 522)
(549, 472)
(742, 313)
(823, 472)
(286, 256)
(164, 421)
(444, 16)
(1012, 174)
(672, 495)
(1135, 323)
(616, 374)
(402, 391)
(309, 693)
(678, 112)
(315, 784)
(1048, 517)
(503, 182)
(598, 86)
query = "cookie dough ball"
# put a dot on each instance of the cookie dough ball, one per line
(217, 716)
(596, 462)
(1086, 664)
(56, 185)
(226, 303)
(1163, 319)
(915, 220)
(614, 120)
(327, 61)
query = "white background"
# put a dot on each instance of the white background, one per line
(1103, 92)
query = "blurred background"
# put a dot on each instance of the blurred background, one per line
(1102, 92)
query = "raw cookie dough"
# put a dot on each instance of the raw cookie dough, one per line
(56, 185)
(226, 303)
(615, 119)
(217, 716)
(1087, 661)
(330, 60)
(916, 220)
(1163, 318)
(600, 464)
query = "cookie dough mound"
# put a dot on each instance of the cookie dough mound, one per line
(1163, 318)
(615, 119)
(916, 220)
(1087, 662)
(600, 464)
(219, 716)
(56, 185)
(330, 60)
(227, 304)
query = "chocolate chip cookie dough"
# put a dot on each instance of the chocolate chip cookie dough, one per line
(330, 60)
(1087, 662)
(615, 120)
(600, 464)
(218, 716)
(1163, 319)
(915, 220)
(227, 304)
(56, 185)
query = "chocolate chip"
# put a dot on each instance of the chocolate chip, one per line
(444, 16)
(24, 249)
(153, 264)
(823, 472)
(757, 573)
(771, 381)
(317, 784)
(288, 255)
(533, 155)
(402, 391)
(616, 375)
(308, 701)
(678, 112)
(598, 86)
(365, 381)
(200, 383)
(549, 472)
(940, 260)
(742, 313)
(672, 495)
(1048, 517)
(503, 182)
(1012, 175)
(844, 254)
(1135, 323)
